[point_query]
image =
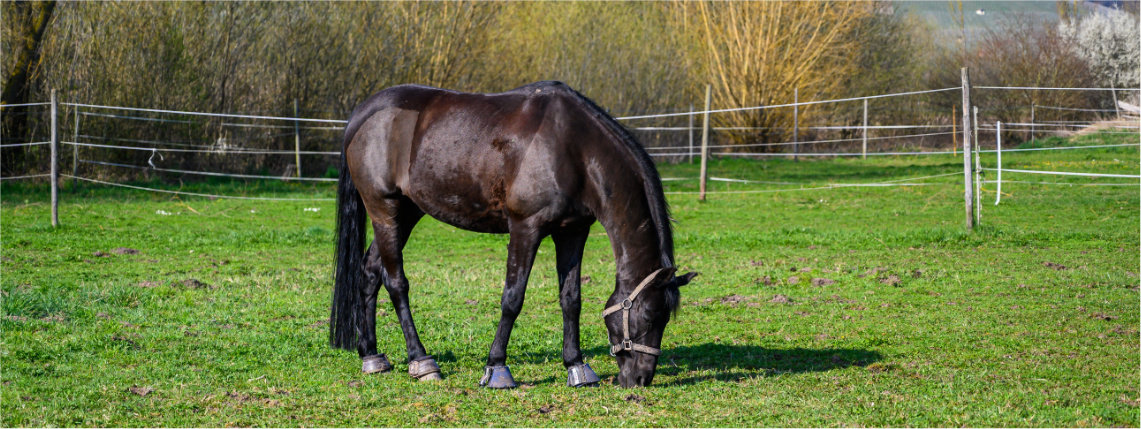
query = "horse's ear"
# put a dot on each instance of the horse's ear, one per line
(684, 279)
(663, 276)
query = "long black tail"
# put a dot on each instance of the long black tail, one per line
(349, 278)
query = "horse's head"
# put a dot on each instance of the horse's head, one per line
(636, 321)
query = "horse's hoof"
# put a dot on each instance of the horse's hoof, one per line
(581, 375)
(375, 363)
(497, 377)
(424, 369)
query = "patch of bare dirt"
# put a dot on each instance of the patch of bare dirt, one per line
(891, 280)
(141, 391)
(545, 409)
(1058, 267)
(124, 251)
(196, 284)
(471, 302)
(733, 299)
(99, 254)
(793, 280)
(872, 272)
(818, 282)
(766, 280)
(1103, 316)
(756, 263)
(780, 299)
(148, 284)
(637, 399)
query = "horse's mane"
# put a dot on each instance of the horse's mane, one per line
(652, 183)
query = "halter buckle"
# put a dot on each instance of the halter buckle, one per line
(627, 345)
(627, 304)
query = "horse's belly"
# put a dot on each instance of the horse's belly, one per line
(461, 197)
(465, 212)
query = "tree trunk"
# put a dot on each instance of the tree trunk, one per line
(34, 18)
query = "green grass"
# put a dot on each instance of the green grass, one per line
(926, 324)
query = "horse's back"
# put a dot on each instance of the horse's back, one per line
(471, 160)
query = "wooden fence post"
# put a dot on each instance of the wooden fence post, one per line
(968, 176)
(75, 152)
(795, 123)
(55, 159)
(1033, 132)
(297, 138)
(705, 142)
(954, 130)
(691, 132)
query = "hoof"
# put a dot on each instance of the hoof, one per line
(375, 363)
(581, 375)
(424, 369)
(497, 377)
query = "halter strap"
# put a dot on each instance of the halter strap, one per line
(625, 306)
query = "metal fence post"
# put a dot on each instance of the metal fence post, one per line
(998, 151)
(55, 159)
(978, 166)
(968, 176)
(1033, 132)
(297, 138)
(705, 142)
(865, 151)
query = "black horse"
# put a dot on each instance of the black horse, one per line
(540, 160)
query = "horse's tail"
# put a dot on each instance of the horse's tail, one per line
(349, 277)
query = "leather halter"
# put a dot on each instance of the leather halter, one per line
(624, 306)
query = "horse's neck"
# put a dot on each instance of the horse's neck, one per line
(633, 237)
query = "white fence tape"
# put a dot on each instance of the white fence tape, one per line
(194, 193)
(207, 173)
(219, 115)
(25, 177)
(217, 152)
(798, 143)
(1065, 173)
(806, 103)
(1058, 89)
(24, 144)
(4, 106)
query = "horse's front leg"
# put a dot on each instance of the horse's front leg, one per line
(520, 255)
(569, 245)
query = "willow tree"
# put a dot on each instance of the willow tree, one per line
(758, 53)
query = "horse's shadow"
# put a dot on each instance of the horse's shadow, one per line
(723, 362)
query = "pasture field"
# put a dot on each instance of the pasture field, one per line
(865, 306)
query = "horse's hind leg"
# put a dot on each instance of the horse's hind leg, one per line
(372, 361)
(392, 227)
(569, 245)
